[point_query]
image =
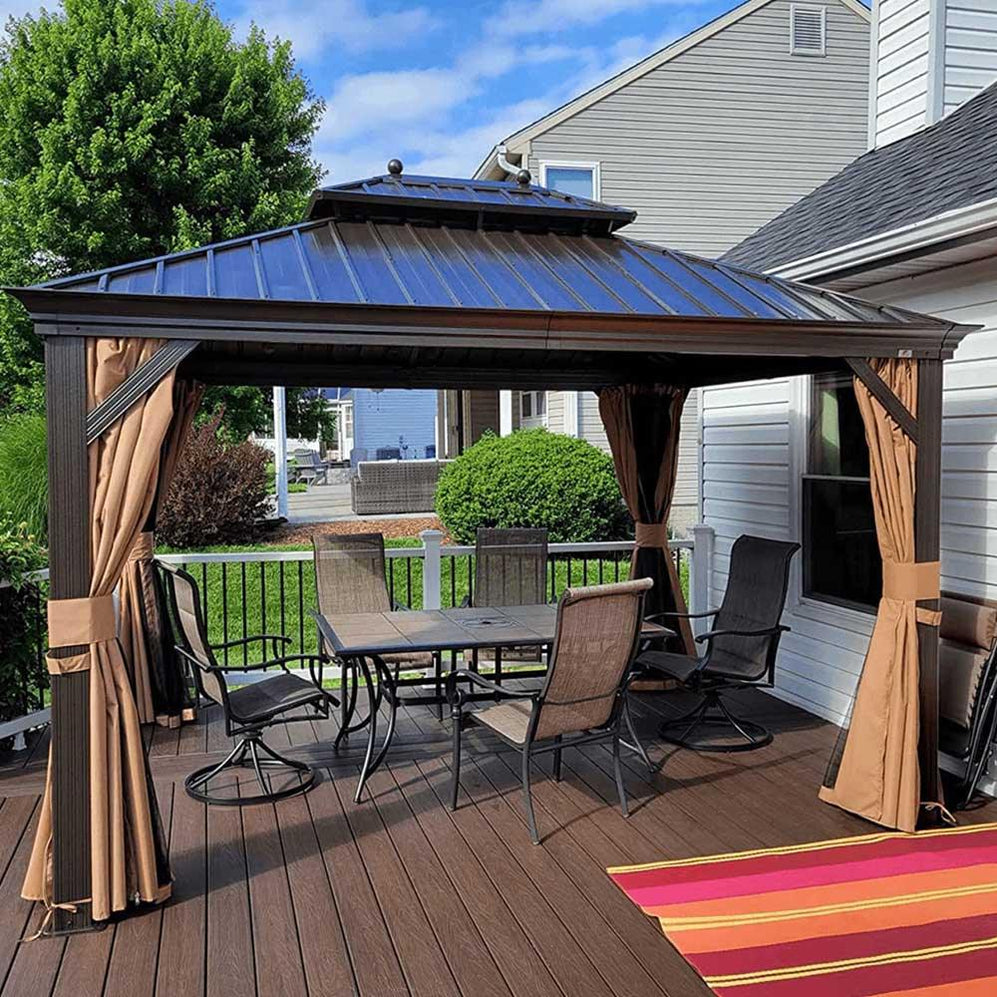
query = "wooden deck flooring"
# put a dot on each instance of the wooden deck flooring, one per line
(319, 897)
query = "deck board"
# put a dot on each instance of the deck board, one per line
(398, 897)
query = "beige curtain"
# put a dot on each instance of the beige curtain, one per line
(642, 426)
(877, 774)
(127, 862)
(157, 694)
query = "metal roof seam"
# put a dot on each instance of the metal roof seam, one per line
(530, 289)
(306, 268)
(556, 276)
(347, 263)
(648, 258)
(424, 249)
(157, 287)
(642, 288)
(770, 304)
(390, 262)
(261, 280)
(210, 283)
(460, 252)
(627, 307)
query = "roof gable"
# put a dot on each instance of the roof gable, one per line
(952, 164)
(639, 69)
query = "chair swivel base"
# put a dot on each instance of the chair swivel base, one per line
(198, 783)
(710, 716)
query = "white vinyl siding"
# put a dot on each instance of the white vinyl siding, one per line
(901, 69)
(711, 145)
(970, 49)
(753, 455)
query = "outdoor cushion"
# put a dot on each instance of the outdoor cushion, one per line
(959, 671)
(267, 698)
(511, 719)
(967, 622)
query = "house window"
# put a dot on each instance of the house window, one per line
(578, 179)
(533, 408)
(841, 562)
(807, 30)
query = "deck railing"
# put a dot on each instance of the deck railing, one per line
(274, 592)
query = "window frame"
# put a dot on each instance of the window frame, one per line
(533, 420)
(813, 9)
(594, 166)
(858, 611)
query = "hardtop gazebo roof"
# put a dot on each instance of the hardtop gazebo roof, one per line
(457, 283)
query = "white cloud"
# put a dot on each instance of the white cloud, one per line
(348, 24)
(515, 19)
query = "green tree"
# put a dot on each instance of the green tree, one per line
(132, 128)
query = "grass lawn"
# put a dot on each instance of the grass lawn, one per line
(277, 597)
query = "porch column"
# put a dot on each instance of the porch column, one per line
(69, 578)
(280, 447)
(505, 413)
(927, 546)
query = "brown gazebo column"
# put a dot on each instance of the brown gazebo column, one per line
(69, 578)
(927, 544)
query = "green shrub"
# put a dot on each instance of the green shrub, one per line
(23, 678)
(533, 478)
(219, 493)
(24, 473)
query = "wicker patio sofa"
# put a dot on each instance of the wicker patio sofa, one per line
(394, 486)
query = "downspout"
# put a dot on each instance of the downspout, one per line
(522, 175)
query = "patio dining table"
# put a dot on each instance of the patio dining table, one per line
(362, 640)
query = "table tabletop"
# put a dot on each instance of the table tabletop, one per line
(353, 635)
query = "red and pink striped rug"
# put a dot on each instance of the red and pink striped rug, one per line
(886, 914)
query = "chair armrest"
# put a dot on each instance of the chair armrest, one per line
(475, 679)
(768, 632)
(275, 639)
(683, 616)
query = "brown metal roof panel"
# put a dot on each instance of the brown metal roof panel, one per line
(576, 280)
(464, 282)
(628, 277)
(183, 277)
(413, 266)
(133, 282)
(330, 267)
(516, 280)
(283, 272)
(235, 273)
(371, 264)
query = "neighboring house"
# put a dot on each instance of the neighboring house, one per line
(911, 223)
(393, 423)
(707, 139)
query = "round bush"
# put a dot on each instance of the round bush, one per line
(533, 478)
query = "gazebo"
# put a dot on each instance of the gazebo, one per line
(405, 281)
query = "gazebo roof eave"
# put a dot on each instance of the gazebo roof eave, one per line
(66, 312)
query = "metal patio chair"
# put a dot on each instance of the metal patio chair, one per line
(584, 692)
(967, 685)
(740, 651)
(350, 578)
(510, 569)
(249, 710)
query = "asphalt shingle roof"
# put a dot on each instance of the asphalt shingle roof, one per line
(950, 165)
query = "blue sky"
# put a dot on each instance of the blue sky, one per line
(437, 84)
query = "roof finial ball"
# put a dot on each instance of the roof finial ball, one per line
(395, 167)
(524, 178)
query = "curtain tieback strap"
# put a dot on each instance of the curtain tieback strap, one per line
(909, 581)
(143, 548)
(652, 535)
(81, 621)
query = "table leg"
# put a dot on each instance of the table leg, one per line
(371, 730)
(391, 695)
(349, 687)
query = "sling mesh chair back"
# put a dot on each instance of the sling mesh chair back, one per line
(249, 709)
(967, 685)
(741, 648)
(510, 567)
(583, 695)
(350, 578)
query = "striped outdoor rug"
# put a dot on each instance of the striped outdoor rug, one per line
(883, 914)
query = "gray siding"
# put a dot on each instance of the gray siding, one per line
(712, 144)
(970, 49)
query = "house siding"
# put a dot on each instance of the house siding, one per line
(382, 418)
(753, 455)
(970, 49)
(901, 69)
(712, 144)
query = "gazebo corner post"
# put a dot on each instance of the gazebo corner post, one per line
(69, 578)
(927, 546)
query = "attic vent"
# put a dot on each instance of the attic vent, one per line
(807, 27)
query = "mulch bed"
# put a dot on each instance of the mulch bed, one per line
(294, 533)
